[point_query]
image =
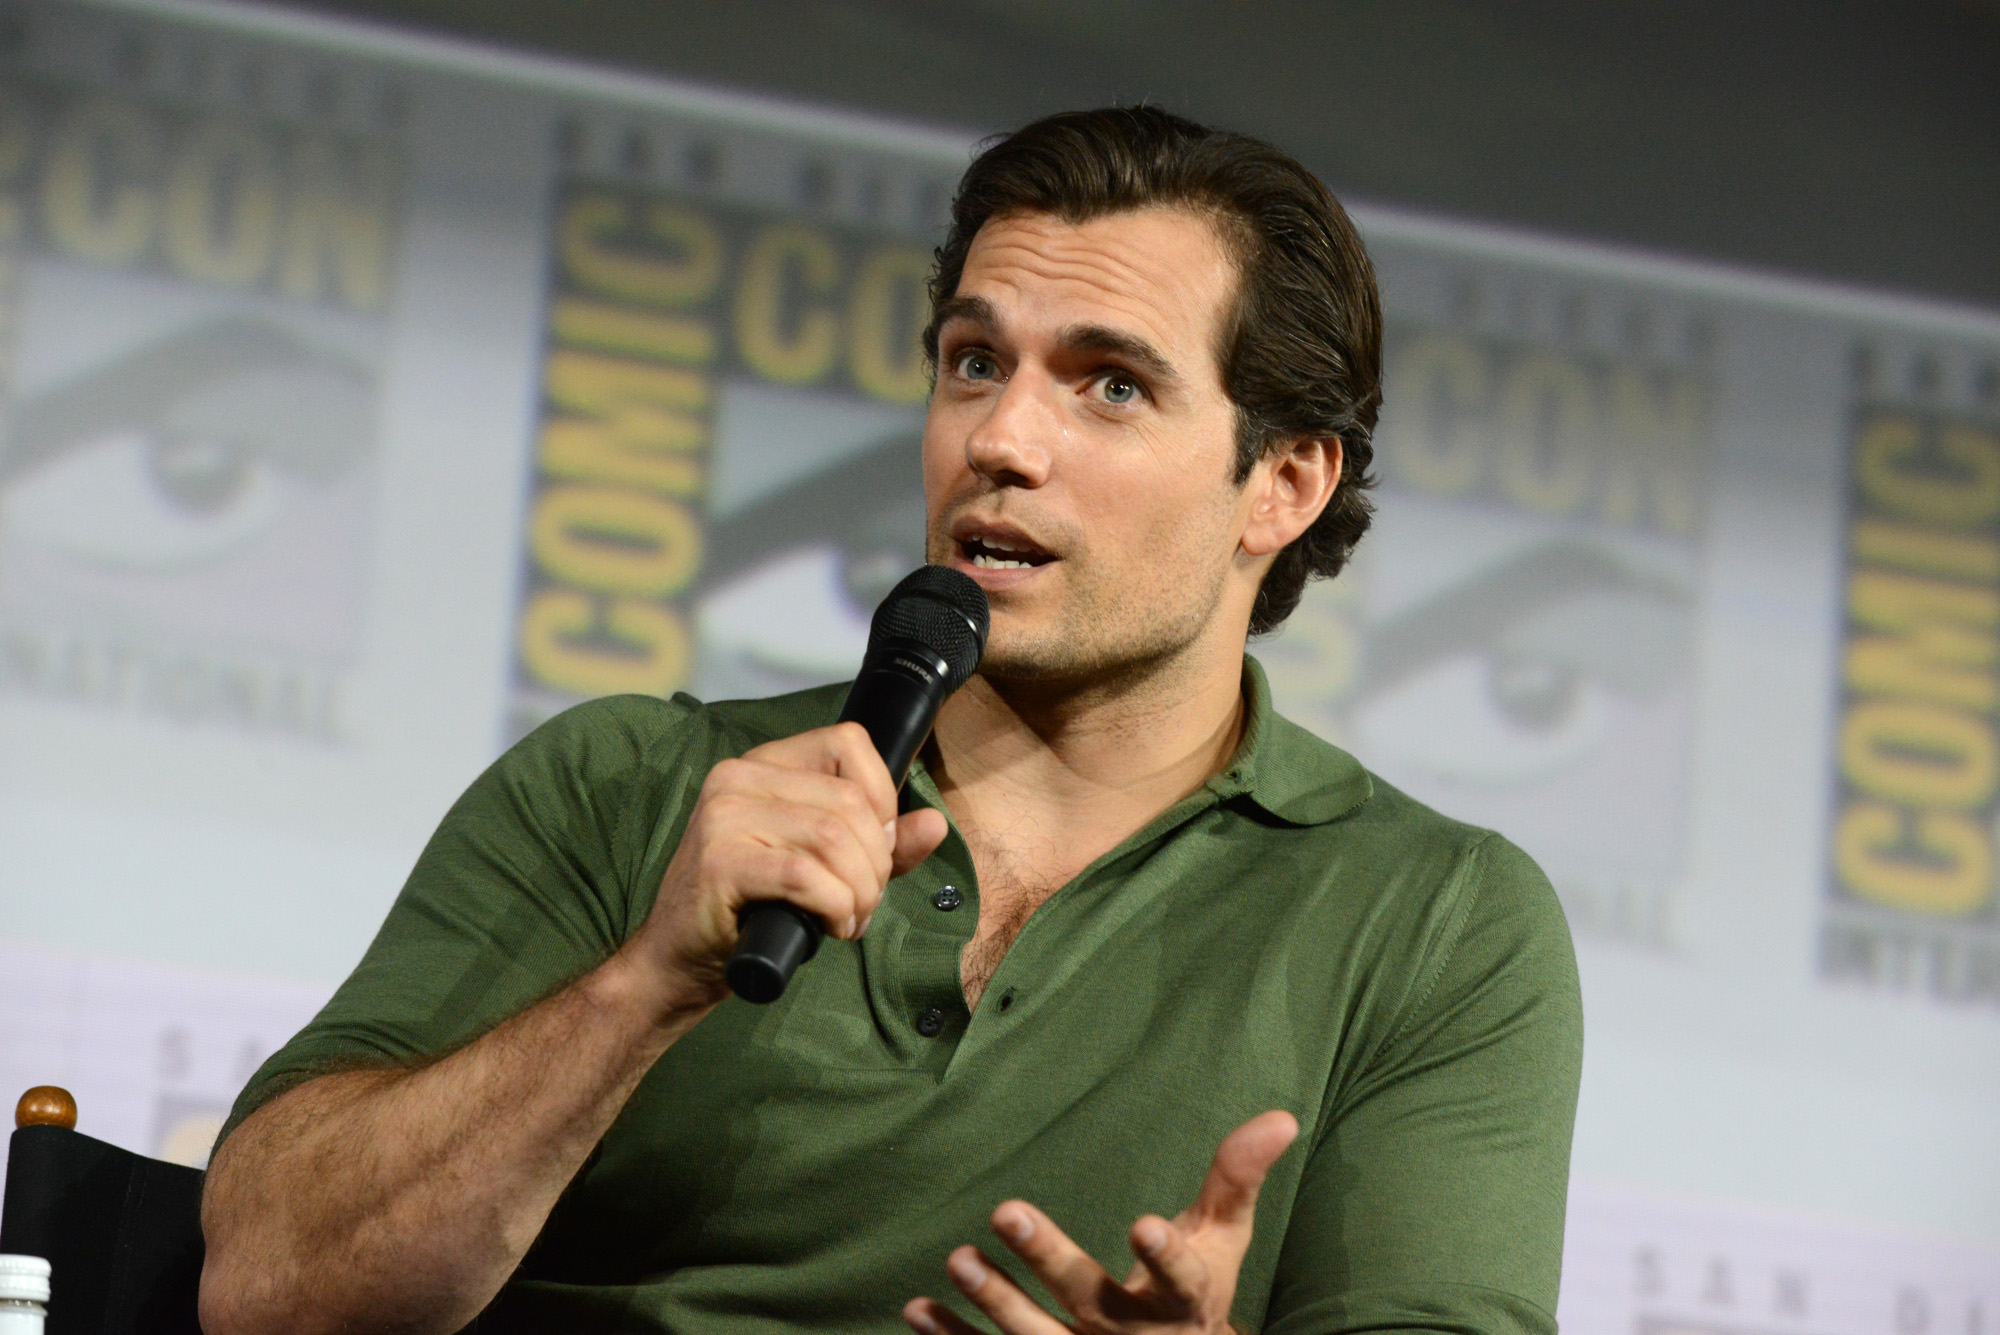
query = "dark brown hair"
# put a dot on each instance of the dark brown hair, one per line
(1301, 355)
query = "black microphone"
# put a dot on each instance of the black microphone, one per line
(924, 643)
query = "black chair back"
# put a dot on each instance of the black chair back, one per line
(121, 1232)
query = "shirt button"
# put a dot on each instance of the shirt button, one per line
(930, 1022)
(947, 898)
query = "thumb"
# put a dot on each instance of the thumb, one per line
(918, 833)
(1229, 1196)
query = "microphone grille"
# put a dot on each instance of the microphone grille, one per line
(943, 610)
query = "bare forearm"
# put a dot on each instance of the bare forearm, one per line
(402, 1200)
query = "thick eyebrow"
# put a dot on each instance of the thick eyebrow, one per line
(1136, 352)
(1140, 355)
(972, 310)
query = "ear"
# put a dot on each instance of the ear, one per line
(1290, 486)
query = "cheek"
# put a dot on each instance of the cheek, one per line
(943, 465)
(1182, 493)
(1149, 516)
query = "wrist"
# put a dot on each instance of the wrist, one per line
(659, 1003)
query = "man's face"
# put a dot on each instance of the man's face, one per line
(1079, 446)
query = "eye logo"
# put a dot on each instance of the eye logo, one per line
(184, 453)
(196, 300)
(1515, 642)
(1522, 670)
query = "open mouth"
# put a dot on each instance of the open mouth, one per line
(990, 553)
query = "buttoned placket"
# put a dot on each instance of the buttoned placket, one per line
(910, 956)
(914, 975)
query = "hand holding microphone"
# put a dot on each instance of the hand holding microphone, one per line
(925, 642)
(800, 835)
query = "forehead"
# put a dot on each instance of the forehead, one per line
(1163, 273)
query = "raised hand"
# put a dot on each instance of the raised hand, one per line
(1184, 1278)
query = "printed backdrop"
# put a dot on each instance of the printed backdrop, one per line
(366, 401)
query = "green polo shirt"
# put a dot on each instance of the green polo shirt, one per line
(1294, 935)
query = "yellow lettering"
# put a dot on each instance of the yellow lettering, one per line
(1545, 437)
(1442, 384)
(638, 447)
(564, 638)
(597, 324)
(614, 540)
(16, 142)
(1969, 494)
(95, 205)
(786, 263)
(338, 224)
(683, 268)
(884, 324)
(222, 205)
(1942, 647)
(1661, 429)
(587, 383)
(1954, 556)
(1934, 862)
(1918, 755)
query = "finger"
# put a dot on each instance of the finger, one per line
(758, 871)
(843, 750)
(918, 834)
(1229, 1196)
(928, 1316)
(1070, 1273)
(858, 856)
(755, 779)
(813, 832)
(998, 1296)
(1181, 1278)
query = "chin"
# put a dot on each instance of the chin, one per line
(1068, 661)
(1092, 641)
(1026, 658)
(1018, 665)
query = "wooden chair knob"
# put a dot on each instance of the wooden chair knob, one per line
(46, 1105)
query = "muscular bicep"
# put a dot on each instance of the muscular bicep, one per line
(1434, 1197)
(525, 885)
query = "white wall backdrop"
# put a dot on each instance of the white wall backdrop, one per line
(367, 400)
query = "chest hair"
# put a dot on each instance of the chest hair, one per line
(1011, 888)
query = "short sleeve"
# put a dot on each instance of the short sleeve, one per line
(527, 883)
(1434, 1198)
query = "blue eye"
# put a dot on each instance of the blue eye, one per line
(978, 366)
(1120, 389)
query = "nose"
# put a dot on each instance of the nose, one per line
(1010, 445)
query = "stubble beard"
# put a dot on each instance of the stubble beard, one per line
(1106, 637)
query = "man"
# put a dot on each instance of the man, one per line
(1124, 914)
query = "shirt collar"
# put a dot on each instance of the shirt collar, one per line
(1285, 770)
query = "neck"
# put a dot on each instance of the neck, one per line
(1096, 758)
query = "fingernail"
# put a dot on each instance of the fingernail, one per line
(889, 832)
(1018, 1225)
(967, 1272)
(864, 925)
(847, 932)
(1153, 1239)
(921, 1321)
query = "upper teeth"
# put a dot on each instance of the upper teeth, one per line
(984, 556)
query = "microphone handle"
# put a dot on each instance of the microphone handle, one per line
(896, 698)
